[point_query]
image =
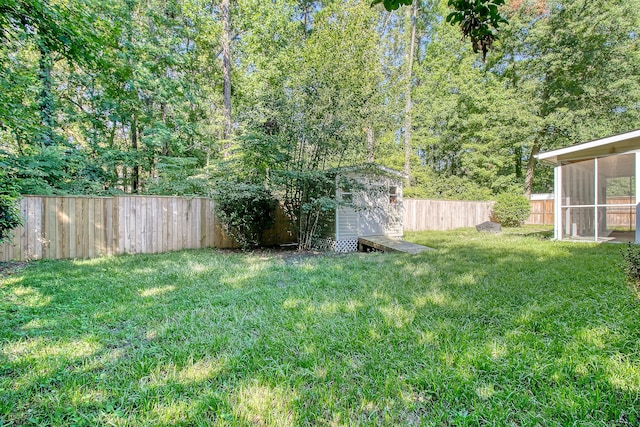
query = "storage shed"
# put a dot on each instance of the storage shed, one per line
(370, 204)
(596, 189)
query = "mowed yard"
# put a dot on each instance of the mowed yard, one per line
(485, 330)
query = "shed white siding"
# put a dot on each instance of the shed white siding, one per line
(394, 221)
(371, 204)
(377, 210)
(346, 223)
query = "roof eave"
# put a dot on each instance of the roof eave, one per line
(616, 144)
(376, 167)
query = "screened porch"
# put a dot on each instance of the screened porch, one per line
(598, 199)
(596, 189)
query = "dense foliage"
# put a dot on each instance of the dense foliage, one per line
(511, 210)
(245, 210)
(10, 217)
(631, 265)
(102, 97)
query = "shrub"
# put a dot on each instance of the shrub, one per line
(9, 212)
(245, 210)
(511, 210)
(306, 196)
(631, 265)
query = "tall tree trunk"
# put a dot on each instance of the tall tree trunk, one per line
(226, 72)
(166, 149)
(114, 171)
(531, 168)
(133, 128)
(306, 6)
(410, 29)
(45, 65)
(135, 174)
(371, 145)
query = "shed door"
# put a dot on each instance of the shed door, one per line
(372, 218)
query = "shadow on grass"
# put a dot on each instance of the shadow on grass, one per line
(482, 330)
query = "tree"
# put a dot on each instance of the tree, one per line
(101, 97)
(481, 123)
(319, 91)
(410, 30)
(478, 19)
(561, 55)
(153, 102)
(55, 30)
(226, 66)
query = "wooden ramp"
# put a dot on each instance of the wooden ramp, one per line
(386, 244)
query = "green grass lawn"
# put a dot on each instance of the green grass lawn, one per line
(485, 330)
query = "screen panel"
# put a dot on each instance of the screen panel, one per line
(578, 183)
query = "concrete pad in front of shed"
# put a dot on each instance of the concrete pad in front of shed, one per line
(386, 244)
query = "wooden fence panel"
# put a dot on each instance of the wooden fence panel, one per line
(121, 228)
(420, 215)
(205, 231)
(58, 227)
(617, 216)
(83, 227)
(623, 217)
(174, 224)
(541, 212)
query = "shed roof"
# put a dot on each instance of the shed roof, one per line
(616, 144)
(374, 168)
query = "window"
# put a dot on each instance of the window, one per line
(346, 197)
(393, 194)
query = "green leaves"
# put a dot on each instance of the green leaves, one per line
(10, 217)
(61, 28)
(390, 5)
(511, 210)
(477, 19)
(245, 210)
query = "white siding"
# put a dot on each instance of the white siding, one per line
(375, 213)
(394, 220)
(346, 223)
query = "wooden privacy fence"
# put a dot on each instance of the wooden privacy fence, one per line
(422, 215)
(541, 212)
(620, 216)
(86, 227)
(617, 216)
(425, 215)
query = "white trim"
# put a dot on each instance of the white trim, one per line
(596, 184)
(637, 173)
(373, 167)
(337, 222)
(542, 196)
(606, 205)
(552, 156)
(557, 208)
